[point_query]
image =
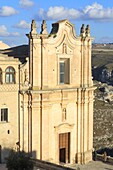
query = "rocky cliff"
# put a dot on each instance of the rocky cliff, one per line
(102, 63)
(103, 116)
(102, 68)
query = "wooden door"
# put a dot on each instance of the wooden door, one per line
(64, 147)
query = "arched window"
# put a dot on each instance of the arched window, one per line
(0, 76)
(10, 75)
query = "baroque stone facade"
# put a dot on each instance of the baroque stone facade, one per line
(48, 95)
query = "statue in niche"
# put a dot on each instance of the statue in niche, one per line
(33, 27)
(64, 115)
(44, 28)
(64, 50)
(26, 80)
(21, 76)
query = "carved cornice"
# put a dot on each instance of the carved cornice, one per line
(64, 126)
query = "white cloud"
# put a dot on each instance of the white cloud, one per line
(7, 11)
(92, 7)
(59, 12)
(91, 12)
(15, 34)
(4, 32)
(97, 11)
(23, 24)
(26, 3)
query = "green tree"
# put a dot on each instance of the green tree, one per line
(19, 161)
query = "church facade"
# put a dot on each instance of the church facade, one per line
(47, 95)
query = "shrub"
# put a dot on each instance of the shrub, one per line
(19, 161)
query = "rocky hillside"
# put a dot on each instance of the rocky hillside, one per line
(103, 116)
(102, 67)
(102, 63)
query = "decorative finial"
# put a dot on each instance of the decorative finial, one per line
(44, 28)
(33, 27)
(82, 31)
(88, 31)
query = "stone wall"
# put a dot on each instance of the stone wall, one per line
(48, 166)
(108, 158)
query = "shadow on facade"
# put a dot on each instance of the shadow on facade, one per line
(20, 52)
(4, 153)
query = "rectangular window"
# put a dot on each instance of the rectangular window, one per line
(4, 114)
(64, 71)
(7, 78)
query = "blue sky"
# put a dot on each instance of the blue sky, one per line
(16, 16)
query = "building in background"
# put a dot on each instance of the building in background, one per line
(46, 95)
(3, 45)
